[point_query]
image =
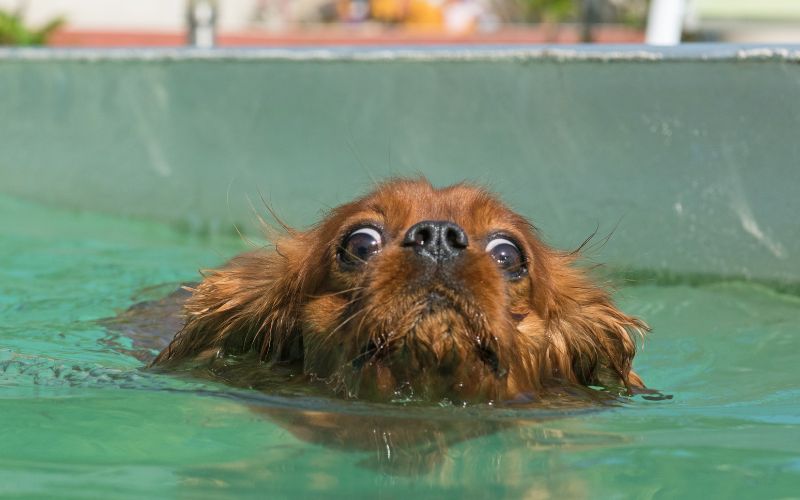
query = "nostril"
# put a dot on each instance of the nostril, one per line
(455, 237)
(422, 236)
(450, 236)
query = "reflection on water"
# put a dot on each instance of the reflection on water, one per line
(420, 442)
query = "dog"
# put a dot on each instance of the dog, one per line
(411, 293)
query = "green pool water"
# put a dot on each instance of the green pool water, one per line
(81, 419)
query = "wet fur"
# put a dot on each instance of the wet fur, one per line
(376, 334)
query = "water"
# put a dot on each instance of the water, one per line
(80, 419)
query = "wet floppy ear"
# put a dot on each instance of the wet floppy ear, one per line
(251, 304)
(589, 340)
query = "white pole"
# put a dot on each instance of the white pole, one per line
(202, 17)
(665, 22)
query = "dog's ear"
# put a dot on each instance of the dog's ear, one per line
(589, 340)
(250, 304)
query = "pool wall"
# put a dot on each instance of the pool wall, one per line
(691, 155)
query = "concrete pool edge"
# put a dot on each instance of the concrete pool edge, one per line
(561, 53)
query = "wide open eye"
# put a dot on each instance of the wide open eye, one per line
(359, 246)
(508, 257)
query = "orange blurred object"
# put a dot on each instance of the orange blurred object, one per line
(425, 14)
(389, 11)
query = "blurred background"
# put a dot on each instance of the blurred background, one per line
(120, 23)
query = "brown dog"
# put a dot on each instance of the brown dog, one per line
(413, 292)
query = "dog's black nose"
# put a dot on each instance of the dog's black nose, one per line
(437, 240)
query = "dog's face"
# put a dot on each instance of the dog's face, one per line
(428, 293)
(417, 292)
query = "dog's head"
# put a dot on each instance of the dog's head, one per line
(416, 291)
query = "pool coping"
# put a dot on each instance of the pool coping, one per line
(567, 53)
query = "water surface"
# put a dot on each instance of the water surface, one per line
(81, 419)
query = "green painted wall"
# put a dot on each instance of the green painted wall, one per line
(693, 154)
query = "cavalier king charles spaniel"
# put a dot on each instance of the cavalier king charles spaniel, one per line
(412, 291)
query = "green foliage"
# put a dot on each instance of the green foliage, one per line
(14, 32)
(553, 11)
(629, 12)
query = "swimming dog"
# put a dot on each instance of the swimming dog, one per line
(412, 291)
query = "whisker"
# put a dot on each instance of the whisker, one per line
(314, 349)
(333, 294)
(343, 323)
(289, 230)
(361, 323)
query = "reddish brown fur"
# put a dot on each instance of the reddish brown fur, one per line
(495, 340)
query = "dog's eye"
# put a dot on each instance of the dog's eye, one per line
(359, 246)
(507, 256)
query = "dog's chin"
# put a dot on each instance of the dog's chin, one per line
(442, 355)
